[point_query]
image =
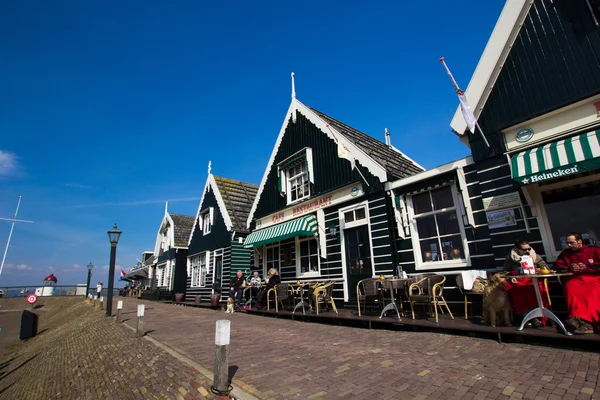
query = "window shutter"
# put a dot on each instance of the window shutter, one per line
(309, 165)
(200, 220)
(212, 215)
(466, 201)
(281, 183)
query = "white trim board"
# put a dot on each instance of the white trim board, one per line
(494, 55)
(365, 160)
(421, 176)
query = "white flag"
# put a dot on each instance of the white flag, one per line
(343, 149)
(467, 112)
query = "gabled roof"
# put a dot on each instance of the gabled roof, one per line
(384, 162)
(397, 164)
(238, 197)
(182, 228)
(494, 55)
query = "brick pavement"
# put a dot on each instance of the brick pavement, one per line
(284, 359)
(80, 354)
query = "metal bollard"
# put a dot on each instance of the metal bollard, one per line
(140, 323)
(119, 308)
(221, 363)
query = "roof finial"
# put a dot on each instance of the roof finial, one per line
(293, 100)
(166, 207)
(209, 166)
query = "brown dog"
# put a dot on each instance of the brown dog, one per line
(495, 300)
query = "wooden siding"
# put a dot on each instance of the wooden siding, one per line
(330, 172)
(554, 62)
(219, 236)
(240, 257)
(205, 291)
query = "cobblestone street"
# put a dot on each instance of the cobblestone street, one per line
(283, 359)
(79, 354)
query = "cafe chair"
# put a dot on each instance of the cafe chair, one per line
(367, 290)
(323, 294)
(429, 291)
(282, 292)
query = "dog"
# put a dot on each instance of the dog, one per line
(230, 306)
(495, 301)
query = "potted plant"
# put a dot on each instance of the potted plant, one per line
(216, 296)
(178, 297)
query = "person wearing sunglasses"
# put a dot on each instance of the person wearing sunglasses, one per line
(582, 290)
(521, 293)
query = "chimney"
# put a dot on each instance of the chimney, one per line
(388, 141)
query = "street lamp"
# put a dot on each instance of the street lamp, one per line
(87, 288)
(114, 234)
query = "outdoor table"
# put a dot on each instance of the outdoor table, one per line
(302, 303)
(541, 311)
(253, 290)
(393, 285)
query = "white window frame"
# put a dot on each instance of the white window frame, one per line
(289, 179)
(206, 224)
(424, 266)
(299, 257)
(160, 275)
(265, 266)
(195, 271)
(217, 253)
(535, 192)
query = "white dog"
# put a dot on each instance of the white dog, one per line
(230, 306)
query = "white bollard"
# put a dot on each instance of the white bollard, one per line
(221, 363)
(140, 322)
(119, 308)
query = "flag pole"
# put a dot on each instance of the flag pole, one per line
(468, 114)
(14, 219)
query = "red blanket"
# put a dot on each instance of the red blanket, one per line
(522, 295)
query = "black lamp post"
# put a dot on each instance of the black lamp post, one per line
(114, 234)
(87, 288)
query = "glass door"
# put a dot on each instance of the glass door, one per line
(358, 257)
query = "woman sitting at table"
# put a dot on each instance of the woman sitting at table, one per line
(521, 293)
(255, 280)
(274, 279)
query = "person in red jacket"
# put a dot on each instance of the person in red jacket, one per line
(582, 290)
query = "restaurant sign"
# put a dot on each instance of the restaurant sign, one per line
(501, 201)
(306, 207)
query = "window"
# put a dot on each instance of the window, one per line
(206, 225)
(309, 256)
(355, 215)
(161, 276)
(199, 270)
(298, 186)
(573, 208)
(272, 258)
(438, 234)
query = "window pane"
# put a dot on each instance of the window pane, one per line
(304, 264)
(304, 248)
(349, 216)
(426, 227)
(430, 250)
(314, 264)
(421, 203)
(447, 223)
(442, 198)
(452, 248)
(360, 213)
(313, 247)
(574, 208)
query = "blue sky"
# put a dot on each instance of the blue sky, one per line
(110, 108)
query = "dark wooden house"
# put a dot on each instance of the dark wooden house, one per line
(536, 94)
(216, 248)
(321, 212)
(168, 269)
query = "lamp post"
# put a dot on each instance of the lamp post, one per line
(87, 288)
(114, 234)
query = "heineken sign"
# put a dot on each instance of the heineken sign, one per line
(550, 175)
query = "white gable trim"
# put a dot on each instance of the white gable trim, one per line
(374, 168)
(494, 55)
(212, 184)
(442, 169)
(166, 218)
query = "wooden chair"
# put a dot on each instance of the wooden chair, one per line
(430, 291)
(368, 291)
(323, 294)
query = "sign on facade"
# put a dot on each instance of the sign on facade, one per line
(501, 201)
(501, 218)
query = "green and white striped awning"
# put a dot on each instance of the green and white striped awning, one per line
(559, 159)
(303, 226)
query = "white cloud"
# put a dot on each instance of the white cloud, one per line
(9, 164)
(23, 267)
(76, 266)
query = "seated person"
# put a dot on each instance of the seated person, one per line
(521, 294)
(456, 255)
(274, 279)
(255, 280)
(236, 287)
(582, 290)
